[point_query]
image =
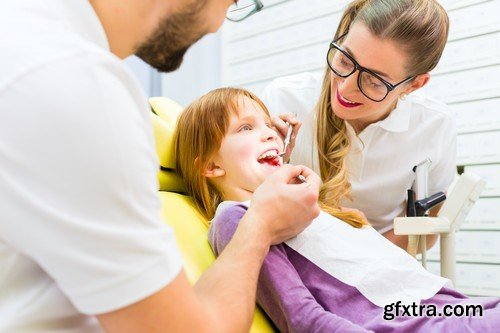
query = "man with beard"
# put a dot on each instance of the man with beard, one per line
(82, 245)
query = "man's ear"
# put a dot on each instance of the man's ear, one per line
(418, 82)
(213, 171)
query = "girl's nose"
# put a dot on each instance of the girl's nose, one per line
(269, 134)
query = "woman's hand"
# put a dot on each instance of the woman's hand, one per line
(280, 123)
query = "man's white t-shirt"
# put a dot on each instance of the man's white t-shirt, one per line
(80, 228)
(383, 155)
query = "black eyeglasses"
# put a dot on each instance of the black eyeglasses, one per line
(369, 83)
(242, 9)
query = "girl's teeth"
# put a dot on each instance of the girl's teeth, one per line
(269, 154)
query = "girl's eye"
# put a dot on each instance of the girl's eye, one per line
(245, 128)
(269, 125)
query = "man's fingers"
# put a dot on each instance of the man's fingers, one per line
(287, 172)
(311, 177)
(307, 172)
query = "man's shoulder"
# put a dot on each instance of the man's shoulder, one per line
(23, 59)
(43, 33)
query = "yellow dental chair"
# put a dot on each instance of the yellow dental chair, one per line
(191, 229)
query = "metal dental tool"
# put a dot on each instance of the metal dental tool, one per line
(288, 137)
(302, 178)
(286, 142)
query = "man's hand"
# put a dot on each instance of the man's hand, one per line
(283, 206)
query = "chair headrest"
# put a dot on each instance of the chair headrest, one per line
(164, 115)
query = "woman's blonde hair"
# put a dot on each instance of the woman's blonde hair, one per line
(197, 138)
(420, 28)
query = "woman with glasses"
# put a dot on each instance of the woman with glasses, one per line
(362, 113)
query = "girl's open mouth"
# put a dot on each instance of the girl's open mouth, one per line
(270, 157)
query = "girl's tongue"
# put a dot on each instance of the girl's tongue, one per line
(271, 160)
(274, 161)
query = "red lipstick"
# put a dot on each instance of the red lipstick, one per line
(344, 103)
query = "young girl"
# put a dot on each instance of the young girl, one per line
(334, 276)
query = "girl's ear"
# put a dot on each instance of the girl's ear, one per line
(417, 83)
(213, 171)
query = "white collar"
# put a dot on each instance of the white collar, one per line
(399, 119)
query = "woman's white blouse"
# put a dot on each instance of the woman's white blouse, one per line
(383, 154)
